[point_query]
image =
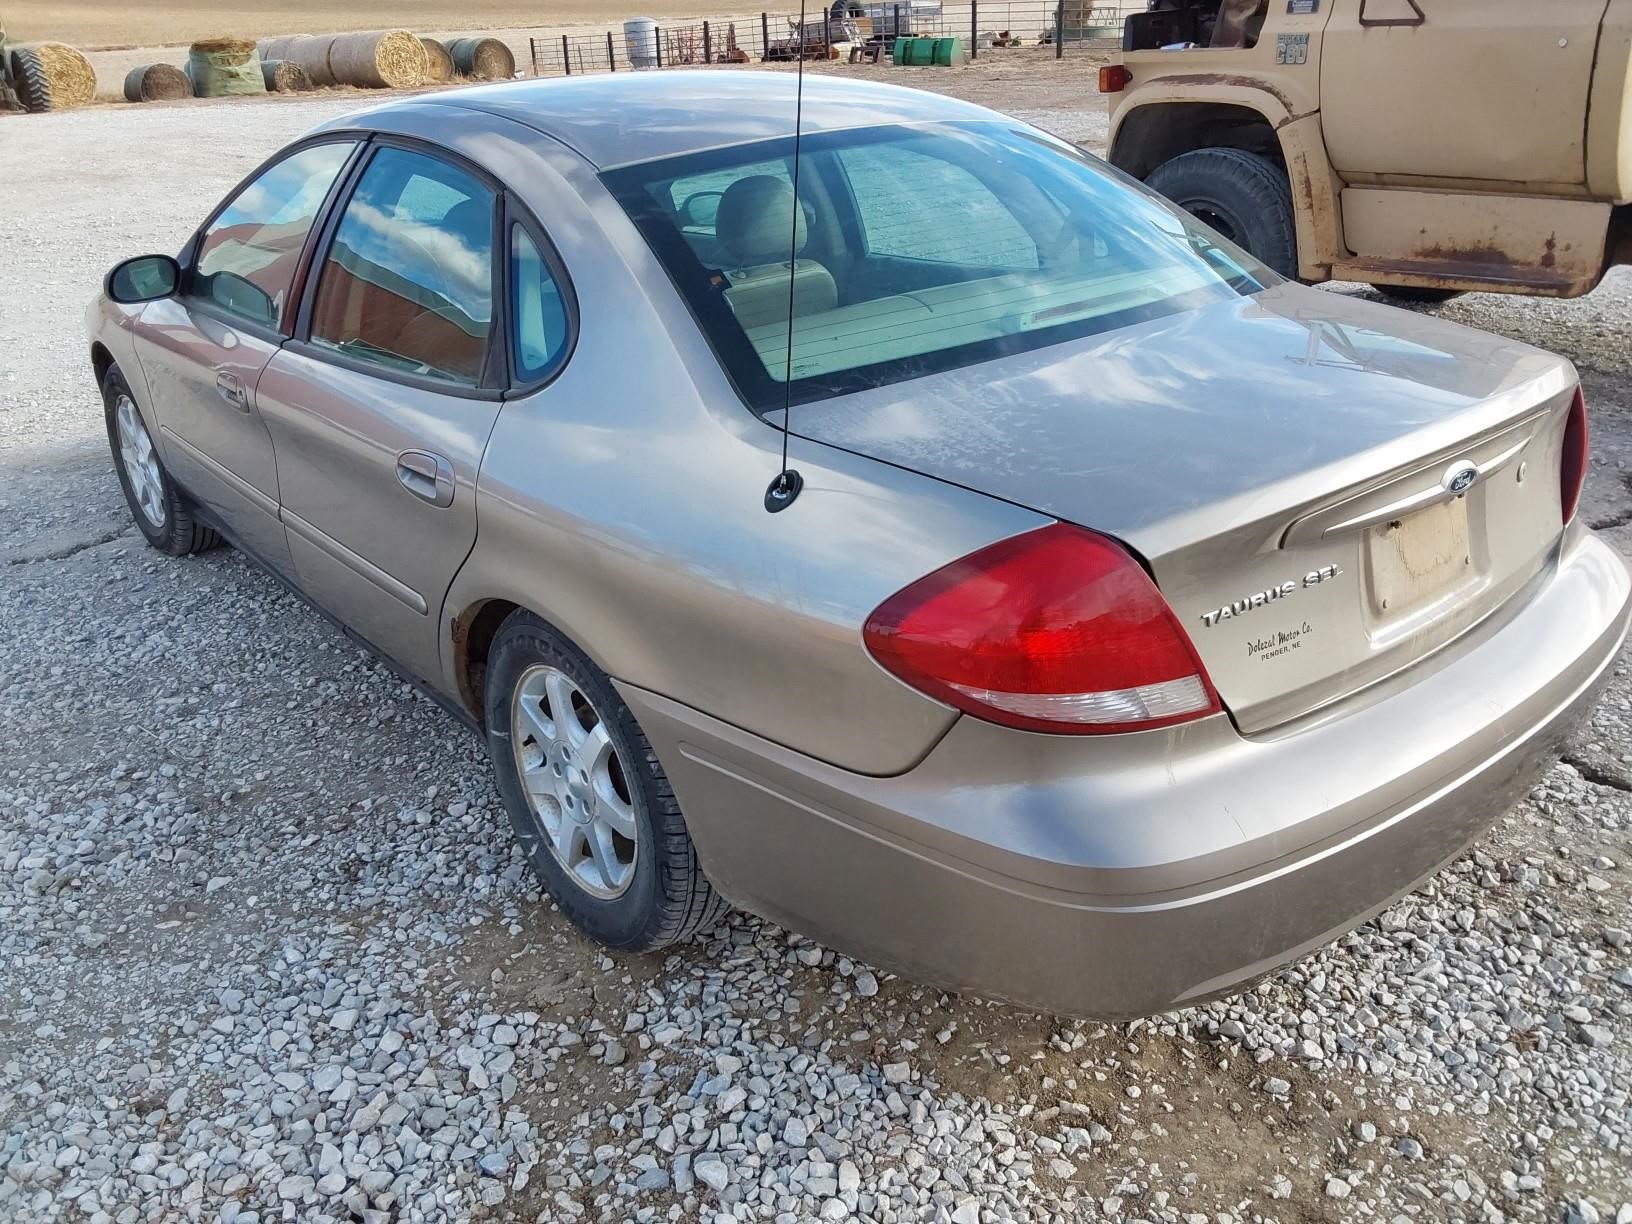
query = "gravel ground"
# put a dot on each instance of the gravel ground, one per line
(267, 950)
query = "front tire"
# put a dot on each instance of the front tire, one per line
(161, 512)
(1245, 197)
(587, 797)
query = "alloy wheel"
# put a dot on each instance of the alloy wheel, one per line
(140, 461)
(576, 788)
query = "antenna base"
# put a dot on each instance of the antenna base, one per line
(779, 494)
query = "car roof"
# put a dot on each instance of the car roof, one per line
(617, 119)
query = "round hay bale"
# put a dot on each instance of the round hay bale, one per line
(438, 63)
(275, 48)
(486, 58)
(308, 52)
(383, 59)
(157, 83)
(225, 67)
(71, 77)
(285, 76)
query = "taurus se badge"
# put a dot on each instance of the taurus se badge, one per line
(1274, 594)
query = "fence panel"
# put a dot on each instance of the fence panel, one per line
(868, 27)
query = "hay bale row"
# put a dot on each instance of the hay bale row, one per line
(485, 58)
(157, 83)
(282, 76)
(383, 59)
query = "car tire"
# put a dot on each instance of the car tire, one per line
(162, 513)
(1417, 295)
(30, 80)
(1245, 197)
(578, 776)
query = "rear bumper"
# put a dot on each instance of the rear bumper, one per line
(1126, 875)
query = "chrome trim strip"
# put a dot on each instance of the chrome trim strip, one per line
(360, 566)
(267, 505)
(1427, 497)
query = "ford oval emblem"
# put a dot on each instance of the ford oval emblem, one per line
(1459, 479)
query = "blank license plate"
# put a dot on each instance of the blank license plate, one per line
(1418, 559)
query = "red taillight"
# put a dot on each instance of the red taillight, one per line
(1572, 472)
(1114, 78)
(1055, 630)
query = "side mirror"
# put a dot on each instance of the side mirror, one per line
(147, 278)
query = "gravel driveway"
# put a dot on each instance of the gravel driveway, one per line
(268, 951)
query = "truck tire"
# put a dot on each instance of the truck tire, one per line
(30, 81)
(1417, 295)
(1245, 197)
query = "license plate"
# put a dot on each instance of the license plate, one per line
(1419, 559)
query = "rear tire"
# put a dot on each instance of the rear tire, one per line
(161, 512)
(1417, 295)
(589, 802)
(30, 80)
(1245, 197)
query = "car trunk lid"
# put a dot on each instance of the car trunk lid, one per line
(1325, 490)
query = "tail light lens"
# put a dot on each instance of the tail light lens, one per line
(1055, 630)
(1572, 473)
(1114, 78)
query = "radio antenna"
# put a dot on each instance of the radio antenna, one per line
(788, 482)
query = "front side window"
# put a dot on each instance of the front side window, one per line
(538, 313)
(408, 281)
(917, 249)
(246, 258)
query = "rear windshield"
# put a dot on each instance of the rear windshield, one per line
(918, 249)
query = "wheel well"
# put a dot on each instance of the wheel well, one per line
(473, 632)
(1161, 131)
(101, 362)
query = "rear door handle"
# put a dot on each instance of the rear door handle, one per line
(230, 389)
(428, 477)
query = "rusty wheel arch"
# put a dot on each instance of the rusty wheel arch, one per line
(472, 636)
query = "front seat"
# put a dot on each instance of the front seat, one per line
(752, 228)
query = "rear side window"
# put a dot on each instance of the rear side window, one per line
(408, 281)
(538, 312)
(246, 258)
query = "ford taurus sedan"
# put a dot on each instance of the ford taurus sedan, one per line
(1123, 622)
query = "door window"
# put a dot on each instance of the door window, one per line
(408, 281)
(538, 311)
(246, 258)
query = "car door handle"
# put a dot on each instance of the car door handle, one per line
(230, 389)
(428, 477)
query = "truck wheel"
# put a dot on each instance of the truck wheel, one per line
(1417, 294)
(1243, 196)
(29, 79)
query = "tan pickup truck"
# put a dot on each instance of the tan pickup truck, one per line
(1424, 146)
